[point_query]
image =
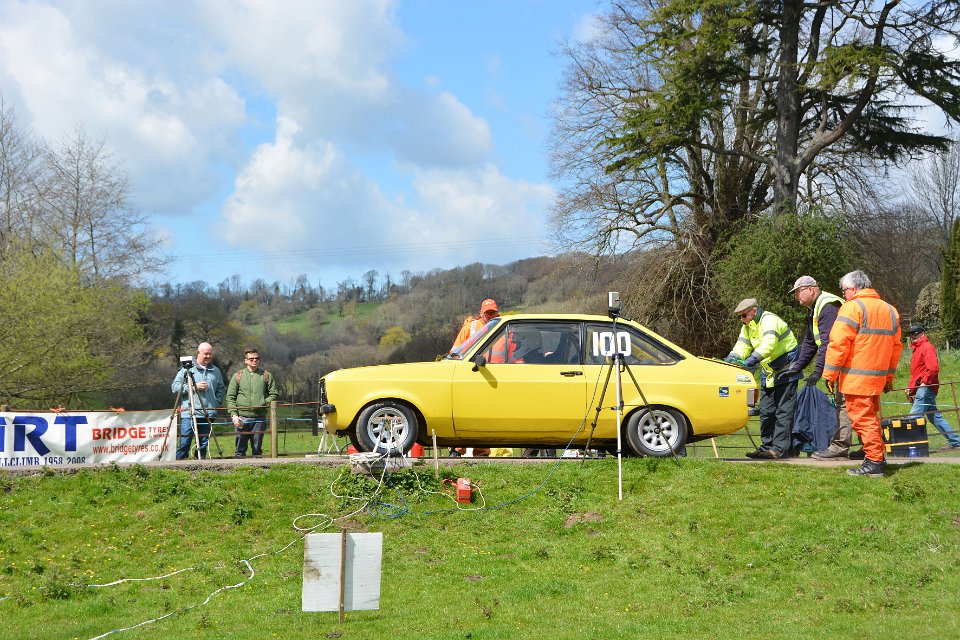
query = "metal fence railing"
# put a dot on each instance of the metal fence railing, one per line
(295, 431)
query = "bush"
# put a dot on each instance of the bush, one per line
(766, 257)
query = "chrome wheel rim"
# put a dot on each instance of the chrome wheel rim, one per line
(387, 428)
(658, 431)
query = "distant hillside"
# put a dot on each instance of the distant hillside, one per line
(306, 330)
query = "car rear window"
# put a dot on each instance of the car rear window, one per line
(638, 348)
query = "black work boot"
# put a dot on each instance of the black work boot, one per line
(868, 468)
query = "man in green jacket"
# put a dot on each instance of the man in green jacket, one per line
(249, 395)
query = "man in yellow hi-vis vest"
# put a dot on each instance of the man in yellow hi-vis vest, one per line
(768, 343)
(822, 312)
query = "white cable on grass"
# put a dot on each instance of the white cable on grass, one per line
(121, 580)
(328, 520)
(185, 609)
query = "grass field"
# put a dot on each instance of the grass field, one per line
(302, 325)
(700, 549)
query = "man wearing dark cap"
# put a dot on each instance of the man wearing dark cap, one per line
(766, 341)
(822, 312)
(924, 384)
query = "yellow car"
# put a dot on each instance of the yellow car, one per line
(539, 380)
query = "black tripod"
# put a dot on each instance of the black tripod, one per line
(617, 363)
(194, 398)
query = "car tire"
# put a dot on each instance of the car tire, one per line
(399, 421)
(656, 432)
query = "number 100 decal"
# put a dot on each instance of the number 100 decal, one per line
(605, 343)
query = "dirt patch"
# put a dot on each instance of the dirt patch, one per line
(578, 518)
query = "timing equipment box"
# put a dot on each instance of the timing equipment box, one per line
(905, 437)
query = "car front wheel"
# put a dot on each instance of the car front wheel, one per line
(656, 432)
(387, 427)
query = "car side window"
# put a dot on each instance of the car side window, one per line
(536, 343)
(638, 348)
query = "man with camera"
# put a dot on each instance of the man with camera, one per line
(200, 381)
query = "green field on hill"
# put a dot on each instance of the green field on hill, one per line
(702, 549)
(302, 324)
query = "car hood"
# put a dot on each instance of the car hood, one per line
(393, 371)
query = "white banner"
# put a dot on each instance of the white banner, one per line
(75, 437)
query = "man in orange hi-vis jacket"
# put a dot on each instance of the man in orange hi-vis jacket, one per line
(488, 311)
(863, 353)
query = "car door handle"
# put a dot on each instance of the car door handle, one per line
(571, 373)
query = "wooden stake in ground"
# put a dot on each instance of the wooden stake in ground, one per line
(343, 569)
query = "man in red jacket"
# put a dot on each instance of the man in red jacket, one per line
(924, 384)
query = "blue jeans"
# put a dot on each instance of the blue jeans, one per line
(186, 435)
(925, 402)
(255, 425)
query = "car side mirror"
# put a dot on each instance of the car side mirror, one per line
(479, 361)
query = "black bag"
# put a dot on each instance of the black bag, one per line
(815, 420)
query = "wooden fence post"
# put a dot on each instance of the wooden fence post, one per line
(274, 440)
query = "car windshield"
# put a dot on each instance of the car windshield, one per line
(457, 352)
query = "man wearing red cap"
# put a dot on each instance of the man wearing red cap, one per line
(488, 311)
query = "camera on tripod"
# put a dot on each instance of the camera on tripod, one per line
(614, 306)
(186, 362)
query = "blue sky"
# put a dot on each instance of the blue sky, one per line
(326, 137)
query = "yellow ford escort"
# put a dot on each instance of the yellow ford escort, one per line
(537, 380)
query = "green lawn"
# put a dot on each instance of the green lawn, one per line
(702, 549)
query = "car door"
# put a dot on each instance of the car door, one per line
(523, 393)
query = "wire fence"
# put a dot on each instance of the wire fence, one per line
(294, 430)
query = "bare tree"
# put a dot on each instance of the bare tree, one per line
(935, 192)
(86, 211)
(681, 123)
(899, 250)
(370, 277)
(19, 160)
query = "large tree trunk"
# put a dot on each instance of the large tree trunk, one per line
(785, 168)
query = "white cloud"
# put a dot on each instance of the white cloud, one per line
(323, 61)
(296, 196)
(292, 197)
(588, 28)
(281, 126)
(165, 130)
(492, 205)
(438, 131)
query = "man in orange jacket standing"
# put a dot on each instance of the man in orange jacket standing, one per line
(863, 353)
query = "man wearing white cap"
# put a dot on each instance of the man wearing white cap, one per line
(767, 341)
(822, 312)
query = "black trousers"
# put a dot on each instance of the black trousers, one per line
(777, 407)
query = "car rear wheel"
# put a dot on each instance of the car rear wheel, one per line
(387, 427)
(656, 432)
